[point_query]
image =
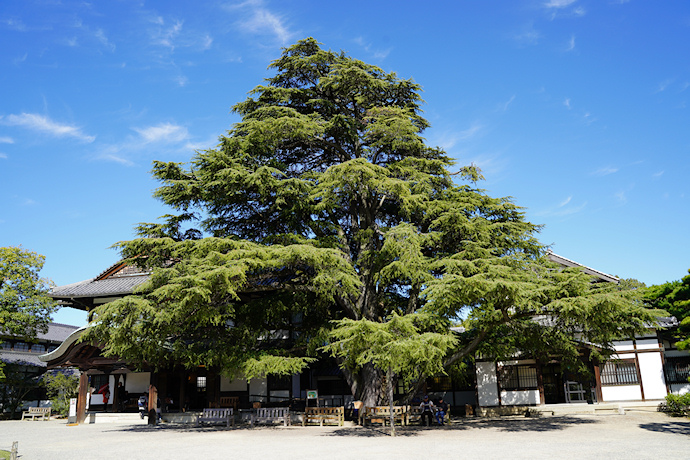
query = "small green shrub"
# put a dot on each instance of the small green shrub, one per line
(61, 387)
(677, 405)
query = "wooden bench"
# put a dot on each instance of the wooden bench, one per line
(321, 415)
(213, 415)
(270, 415)
(229, 401)
(382, 414)
(41, 413)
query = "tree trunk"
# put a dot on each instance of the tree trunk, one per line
(389, 382)
(366, 385)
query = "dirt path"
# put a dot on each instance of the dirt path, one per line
(631, 436)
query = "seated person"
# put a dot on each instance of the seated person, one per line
(442, 410)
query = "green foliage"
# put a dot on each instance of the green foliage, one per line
(18, 381)
(25, 307)
(673, 297)
(323, 212)
(677, 405)
(61, 387)
(397, 345)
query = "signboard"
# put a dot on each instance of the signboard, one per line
(72, 417)
(313, 395)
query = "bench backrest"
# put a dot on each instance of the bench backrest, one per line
(385, 410)
(229, 401)
(325, 410)
(39, 410)
(271, 412)
(217, 413)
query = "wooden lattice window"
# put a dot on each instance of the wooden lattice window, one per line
(677, 369)
(519, 378)
(620, 372)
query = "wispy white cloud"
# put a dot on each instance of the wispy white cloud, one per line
(44, 124)
(571, 43)
(621, 196)
(505, 105)
(167, 137)
(657, 175)
(181, 80)
(450, 139)
(6, 140)
(605, 171)
(257, 19)
(101, 37)
(19, 60)
(562, 8)
(3, 156)
(164, 132)
(564, 208)
(206, 42)
(15, 24)
(377, 53)
(664, 85)
(528, 35)
(114, 158)
(567, 103)
(559, 3)
(166, 36)
(470, 132)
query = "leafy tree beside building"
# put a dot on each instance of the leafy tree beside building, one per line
(323, 207)
(25, 307)
(674, 297)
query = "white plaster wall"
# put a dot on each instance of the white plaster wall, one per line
(621, 345)
(680, 388)
(487, 384)
(519, 397)
(621, 393)
(258, 387)
(138, 382)
(232, 385)
(652, 373)
(647, 344)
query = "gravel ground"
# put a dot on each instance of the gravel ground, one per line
(636, 435)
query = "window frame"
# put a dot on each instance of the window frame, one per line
(518, 377)
(620, 372)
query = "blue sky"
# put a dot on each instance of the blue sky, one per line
(578, 109)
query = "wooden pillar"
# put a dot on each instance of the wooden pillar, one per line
(153, 397)
(540, 384)
(116, 396)
(81, 398)
(597, 378)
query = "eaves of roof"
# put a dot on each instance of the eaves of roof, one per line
(122, 285)
(64, 346)
(590, 271)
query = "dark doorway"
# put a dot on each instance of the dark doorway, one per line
(553, 384)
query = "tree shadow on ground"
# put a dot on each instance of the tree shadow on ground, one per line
(373, 432)
(182, 428)
(674, 427)
(511, 424)
(516, 424)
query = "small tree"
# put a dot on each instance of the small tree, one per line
(396, 347)
(674, 297)
(19, 379)
(25, 307)
(61, 387)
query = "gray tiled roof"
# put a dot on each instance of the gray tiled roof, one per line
(19, 357)
(96, 288)
(57, 332)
